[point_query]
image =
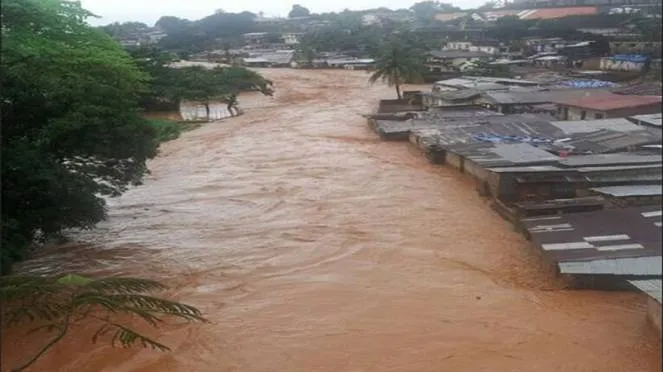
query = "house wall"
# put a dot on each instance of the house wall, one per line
(475, 170)
(631, 201)
(654, 314)
(610, 64)
(454, 160)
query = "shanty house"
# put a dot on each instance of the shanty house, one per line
(606, 106)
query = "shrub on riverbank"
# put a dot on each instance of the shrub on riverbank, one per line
(167, 130)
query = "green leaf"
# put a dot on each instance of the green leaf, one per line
(72, 279)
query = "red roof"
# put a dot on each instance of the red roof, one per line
(552, 13)
(610, 102)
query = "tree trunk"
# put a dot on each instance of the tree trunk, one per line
(207, 111)
(398, 91)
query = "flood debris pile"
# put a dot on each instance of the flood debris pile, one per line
(569, 186)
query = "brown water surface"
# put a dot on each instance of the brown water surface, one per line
(312, 246)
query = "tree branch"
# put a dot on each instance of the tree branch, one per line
(48, 346)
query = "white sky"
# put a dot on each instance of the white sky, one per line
(149, 11)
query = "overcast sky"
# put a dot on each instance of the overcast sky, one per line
(149, 11)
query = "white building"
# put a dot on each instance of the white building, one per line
(469, 46)
(291, 38)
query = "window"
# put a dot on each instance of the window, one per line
(583, 115)
(598, 116)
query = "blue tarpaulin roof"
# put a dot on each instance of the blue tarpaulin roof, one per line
(590, 83)
(637, 58)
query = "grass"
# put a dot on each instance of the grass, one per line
(167, 130)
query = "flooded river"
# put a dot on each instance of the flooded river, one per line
(312, 246)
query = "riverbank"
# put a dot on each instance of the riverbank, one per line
(313, 246)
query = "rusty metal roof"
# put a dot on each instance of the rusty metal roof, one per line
(600, 242)
(553, 13)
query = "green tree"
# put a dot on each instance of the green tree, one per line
(71, 128)
(197, 83)
(127, 29)
(428, 9)
(59, 304)
(398, 64)
(298, 11)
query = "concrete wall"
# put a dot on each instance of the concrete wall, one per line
(475, 170)
(454, 161)
(654, 314)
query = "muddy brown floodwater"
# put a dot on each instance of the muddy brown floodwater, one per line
(312, 246)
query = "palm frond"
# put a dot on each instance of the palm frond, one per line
(125, 285)
(131, 302)
(128, 338)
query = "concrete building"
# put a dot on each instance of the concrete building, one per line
(624, 62)
(450, 60)
(491, 48)
(607, 106)
(291, 38)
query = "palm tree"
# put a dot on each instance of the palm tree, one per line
(398, 65)
(57, 304)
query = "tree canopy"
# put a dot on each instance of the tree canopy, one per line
(399, 63)
(298, 11)
(428, 9)
(71, 128)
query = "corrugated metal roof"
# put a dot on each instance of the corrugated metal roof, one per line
(503, 154)
(528, 169)
(604, 141)
(618, 266)
(630, 190)
(463, 131)
(600, 242)
(609, 102)
(586, 126)
(651, 119)
(652, 287)
(609, 159)
(432, 119)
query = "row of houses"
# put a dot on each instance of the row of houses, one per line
(567, 183)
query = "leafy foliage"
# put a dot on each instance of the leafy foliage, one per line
(71, 129)
(399, 63)
(57, 304)
(428, 9)
(298, 11)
